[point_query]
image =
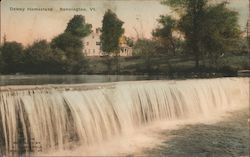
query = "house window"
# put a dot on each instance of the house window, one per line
(98, 43)
(87, 43)
(93, 50)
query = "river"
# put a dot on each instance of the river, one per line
(70, 79)
(125, 115)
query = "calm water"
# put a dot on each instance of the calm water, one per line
(70, 79)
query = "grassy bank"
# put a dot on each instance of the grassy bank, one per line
(173, 66)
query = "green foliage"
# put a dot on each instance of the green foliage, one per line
(147, 49)
(77, 26)
(222, 33)
(62, 55)
(71, 46)
(129, 41)
(1, 60)
(111, 32)
(175, 3)
(194, 5)
(209, 29)
(40, 58)
(240, 46)
(191, 24)
(165, 32)
(168, 24)
(12, 55)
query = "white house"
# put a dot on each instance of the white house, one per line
(92, 45)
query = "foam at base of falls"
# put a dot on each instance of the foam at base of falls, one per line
(59, 119)
(136, 142)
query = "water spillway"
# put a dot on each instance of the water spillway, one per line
(56, 117)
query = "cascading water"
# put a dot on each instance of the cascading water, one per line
(60, 116)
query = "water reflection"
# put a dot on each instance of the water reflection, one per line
(70, 79)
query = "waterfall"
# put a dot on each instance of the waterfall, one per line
(56, 116)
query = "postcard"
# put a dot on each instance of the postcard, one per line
(124, 78)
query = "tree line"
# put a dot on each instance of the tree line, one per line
(203, 30)
(62, 55)
(199, 29)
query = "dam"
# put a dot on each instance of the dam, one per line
(59, 117)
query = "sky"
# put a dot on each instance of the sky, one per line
(139, 16)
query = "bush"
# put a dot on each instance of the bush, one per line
(12, 55)
(71, 46)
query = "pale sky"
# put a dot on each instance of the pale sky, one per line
(138, 15)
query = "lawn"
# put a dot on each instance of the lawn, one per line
(229, 64)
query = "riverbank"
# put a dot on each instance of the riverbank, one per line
(6, 80)
(178, 66)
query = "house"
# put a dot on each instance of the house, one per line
(92, 45)
(125, 50)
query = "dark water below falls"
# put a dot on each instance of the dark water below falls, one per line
(228, 137)
(169, 118)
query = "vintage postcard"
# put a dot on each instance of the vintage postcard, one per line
(124, 78)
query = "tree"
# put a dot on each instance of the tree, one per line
(223, 33)
(206, 26)
(40, 58)
(111, 32)
(147, 49)
(1, 60)
(77, 27)
(191, 23)
(165, 32)
(12, 54)
(129, 41)
(71, 45)
(63, 55)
